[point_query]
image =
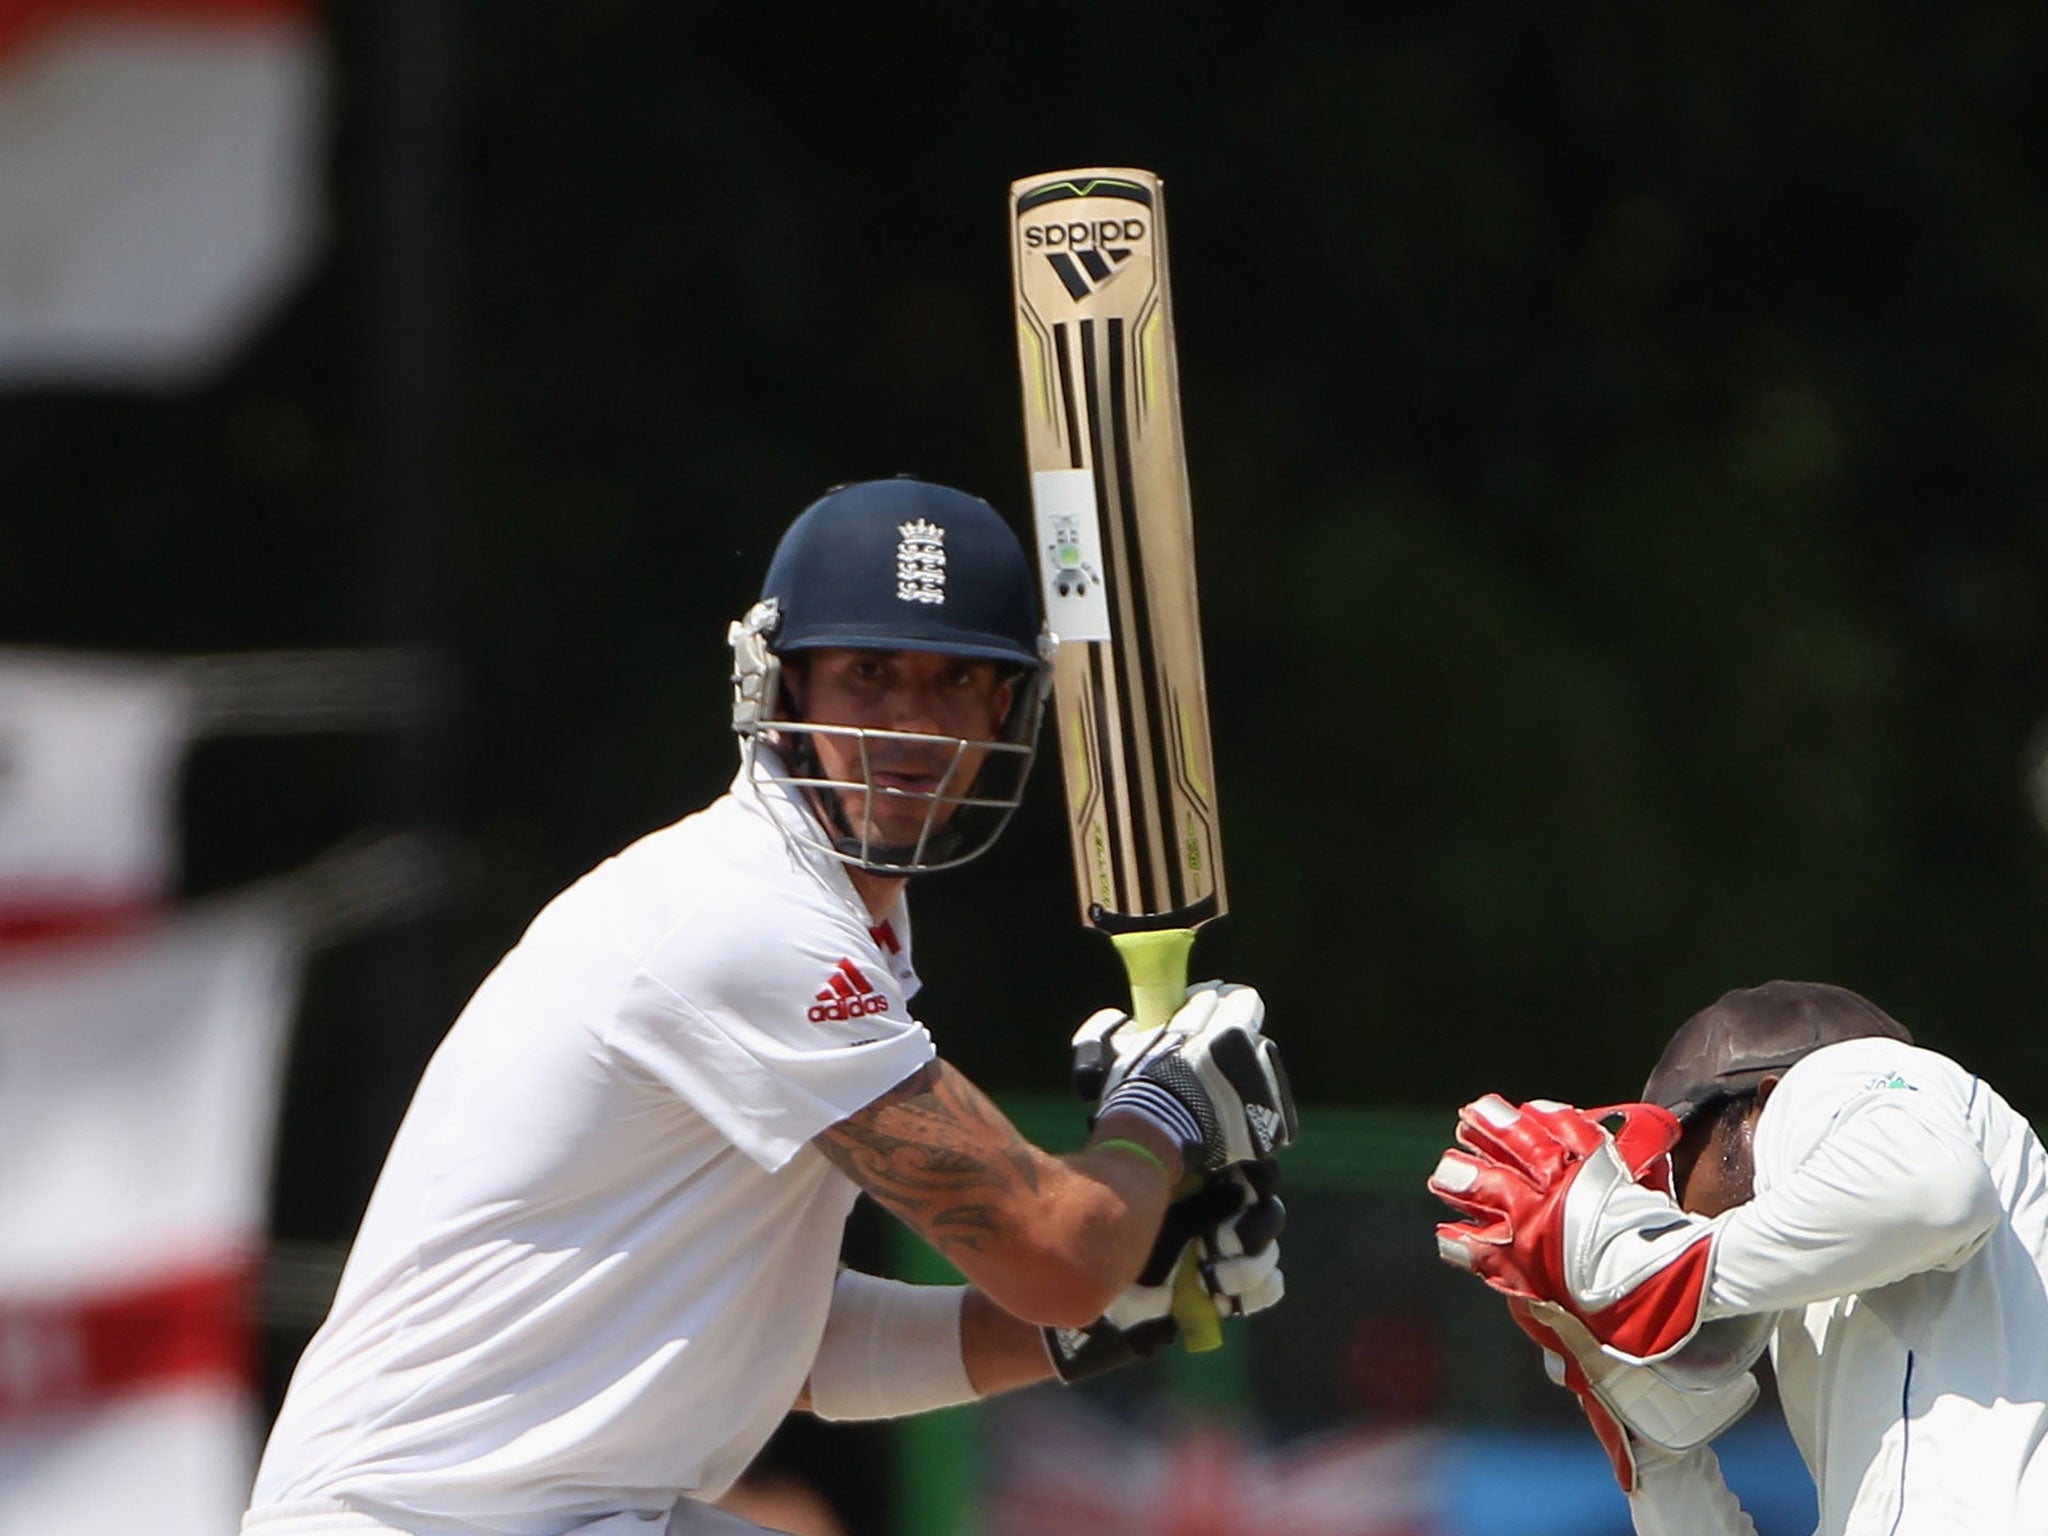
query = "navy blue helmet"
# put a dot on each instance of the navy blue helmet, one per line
(894, 565)
(904, 565)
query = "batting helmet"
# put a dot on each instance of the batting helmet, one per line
(896, 565)
(904, 565)
(1751, 1033)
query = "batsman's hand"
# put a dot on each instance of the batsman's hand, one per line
(1212, 1059)
(1554, 1211)
(1232, 1223)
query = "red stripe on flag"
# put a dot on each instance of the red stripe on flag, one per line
(48, 922)
(57, 1356)
(23, 21)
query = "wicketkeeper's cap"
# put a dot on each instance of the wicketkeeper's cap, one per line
(1752, 1033)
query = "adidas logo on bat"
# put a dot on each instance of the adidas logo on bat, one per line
(1085, 254)
(1085, 232)
(1084, 271)
(847, 995)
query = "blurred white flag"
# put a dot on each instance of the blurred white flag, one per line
(160, 178)
(90, 753)
(138, 1092)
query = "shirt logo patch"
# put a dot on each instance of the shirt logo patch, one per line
(847, 994)
(1889, 1080)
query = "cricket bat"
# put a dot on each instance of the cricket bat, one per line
(1109, 488)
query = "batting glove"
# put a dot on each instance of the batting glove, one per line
(1554, 1212)
(1210, 1079)
(1233, 1223)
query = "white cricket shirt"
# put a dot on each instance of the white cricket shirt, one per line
(1900, 1230)
(596, 1266)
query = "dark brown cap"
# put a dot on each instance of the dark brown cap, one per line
(1753, 1032)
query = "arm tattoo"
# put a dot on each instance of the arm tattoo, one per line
(939, 1155)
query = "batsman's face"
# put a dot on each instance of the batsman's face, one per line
(910, 694)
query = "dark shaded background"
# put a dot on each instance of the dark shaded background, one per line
(1617, 435)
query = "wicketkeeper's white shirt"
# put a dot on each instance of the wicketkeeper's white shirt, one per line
(1901, 1224)
(596, 1266)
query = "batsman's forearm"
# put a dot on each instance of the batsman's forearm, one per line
(1141, 1167)
(1098, 1214)
(1061, 1253)
(1001, 1352)
(1051, 1240)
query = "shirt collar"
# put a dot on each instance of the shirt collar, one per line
(764, 789)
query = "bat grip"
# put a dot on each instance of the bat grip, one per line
(1157, 964)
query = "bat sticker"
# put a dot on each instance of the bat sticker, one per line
(1070, 554)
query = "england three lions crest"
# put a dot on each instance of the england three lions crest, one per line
(921, 562)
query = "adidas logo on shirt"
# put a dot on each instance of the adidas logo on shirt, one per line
(847, 995)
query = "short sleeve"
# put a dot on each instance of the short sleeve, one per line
(774, 1018)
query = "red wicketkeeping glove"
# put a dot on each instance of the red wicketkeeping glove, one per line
(1548, 1195)
(1640, 1411)
(1567, 1370)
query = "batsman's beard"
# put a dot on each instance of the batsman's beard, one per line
(890, 801)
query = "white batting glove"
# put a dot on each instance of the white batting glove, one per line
(1232, 1225)
(1108, 1042)
(1210, 1078)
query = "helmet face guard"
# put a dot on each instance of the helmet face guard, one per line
(895, 565)
(961, 818)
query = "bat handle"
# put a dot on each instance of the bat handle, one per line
(1157, 964)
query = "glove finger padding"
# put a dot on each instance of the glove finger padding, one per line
(1242, 1278)
(1095, 1053)
(1263, 1175)
(1553, 1211)
(1211, 1078)
(1262, 1223)
(1109, 1042)
(1218, 1199)
(1536, 1140)
(1644, 1135)
(1514, 1166)
(1488, 1197)
(1232, 1231)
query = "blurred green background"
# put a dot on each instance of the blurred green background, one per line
(1619, 440)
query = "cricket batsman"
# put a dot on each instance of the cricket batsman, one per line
(601, 1262)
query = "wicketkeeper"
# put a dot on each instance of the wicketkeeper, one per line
(1801, 1175)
